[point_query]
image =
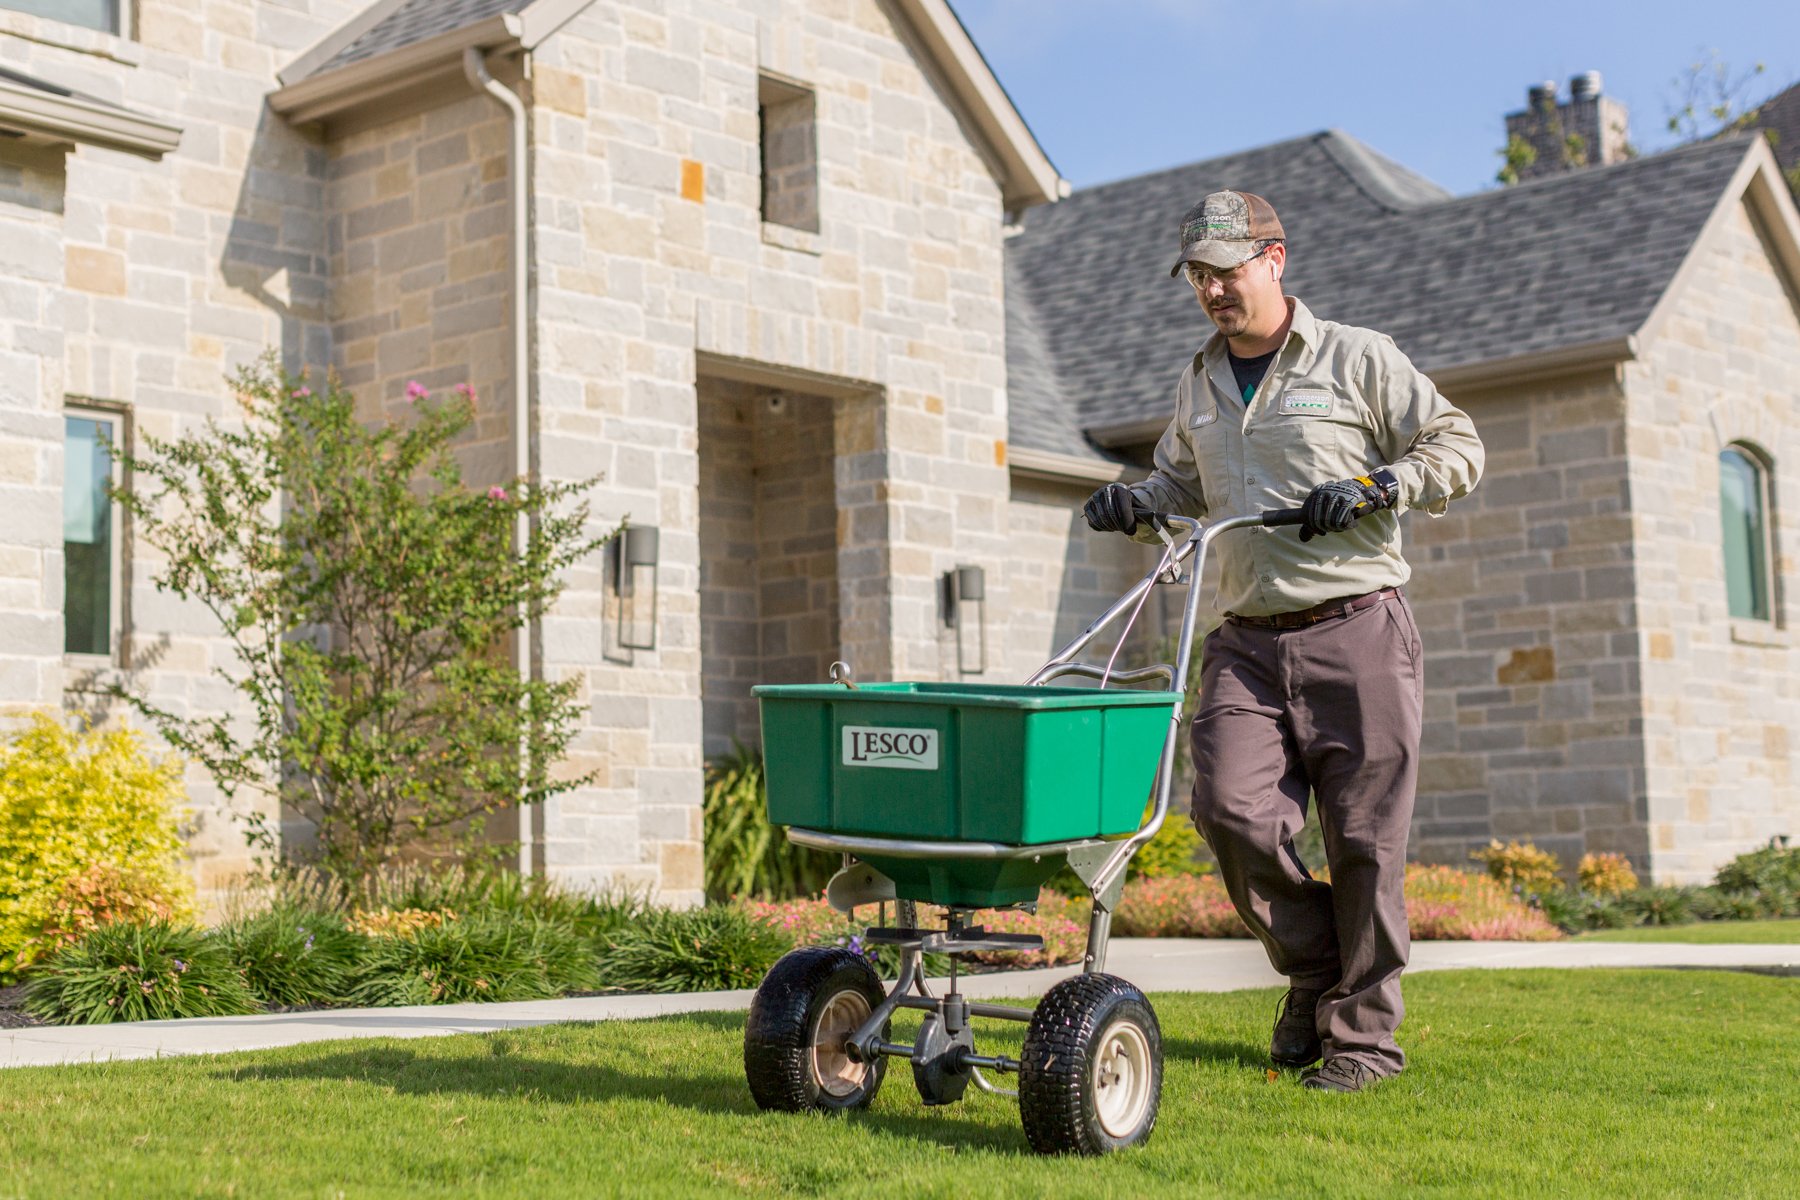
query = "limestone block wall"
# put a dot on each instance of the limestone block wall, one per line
(31, 428)
(416, 221)
(654, 267)
(177, 271)
(1060, 577)
(1721, 696)
(1526, 601)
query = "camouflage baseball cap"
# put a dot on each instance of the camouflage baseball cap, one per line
(1223, 229)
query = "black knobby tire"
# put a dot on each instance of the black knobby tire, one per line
(782, 1061)
(1089, 1036)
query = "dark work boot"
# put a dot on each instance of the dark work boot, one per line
(1296, 1039)
(1339, 1074)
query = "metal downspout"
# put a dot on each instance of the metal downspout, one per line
(475, 69)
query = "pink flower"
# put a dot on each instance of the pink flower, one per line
(496, 493)
(302, 392)
(465, 391)
(416, 391)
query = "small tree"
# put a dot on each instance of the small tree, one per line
(369, 596)
(1708, 99)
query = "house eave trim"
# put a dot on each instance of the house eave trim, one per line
(72, 119)
(1518, 368)
(1062, 468)
(371, 79)
(1030, 177)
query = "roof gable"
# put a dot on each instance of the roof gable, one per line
(394, 44)
(1569, 264)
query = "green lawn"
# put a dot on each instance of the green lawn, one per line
(1705, 932)
(1529, 1083)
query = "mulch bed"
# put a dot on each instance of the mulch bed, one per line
(12, 1016)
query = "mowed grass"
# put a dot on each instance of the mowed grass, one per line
(1529, 1083)
(1783, 932)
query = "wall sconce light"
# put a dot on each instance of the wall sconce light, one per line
(634, 583)
(965, 610)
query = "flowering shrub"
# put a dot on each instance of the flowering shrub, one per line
(88, 833)
(1177, 906)
(1443, 902)
(1521, 865)
(1606, 874)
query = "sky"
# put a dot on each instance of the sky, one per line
(1116, 88)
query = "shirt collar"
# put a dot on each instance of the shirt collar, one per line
(1303, 326)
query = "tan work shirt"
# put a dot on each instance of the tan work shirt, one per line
(1337, 402)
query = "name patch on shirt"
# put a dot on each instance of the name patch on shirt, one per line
(1203, 418)
(1309, 402)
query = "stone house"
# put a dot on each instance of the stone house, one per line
(738, 259)
(783, 276)
(1610, 663)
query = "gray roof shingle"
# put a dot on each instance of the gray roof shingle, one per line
(1558, 262)
(415, 21)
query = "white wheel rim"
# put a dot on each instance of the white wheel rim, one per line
(836, 1073)
(1122, 1073)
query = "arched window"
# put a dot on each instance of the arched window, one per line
(1744, 509)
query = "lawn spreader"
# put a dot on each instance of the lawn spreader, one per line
(969, 797)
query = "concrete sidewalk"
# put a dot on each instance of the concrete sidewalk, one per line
(1154, 964)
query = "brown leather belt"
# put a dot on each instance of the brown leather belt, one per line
(1341, 607)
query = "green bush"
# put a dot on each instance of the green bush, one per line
(125, 971)
(88, 834)
(1773, 868)
(745, 855)
(1713, 904)
(1663, 905)
(692, 950)
(293, 957)
(484, 956)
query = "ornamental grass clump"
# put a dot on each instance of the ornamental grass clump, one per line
(155, 971)
(691, 950)
(486, 957)
(461, 889)
(293, 957)
(745, 855)
(89, 834)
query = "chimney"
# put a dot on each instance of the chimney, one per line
(1590, 129)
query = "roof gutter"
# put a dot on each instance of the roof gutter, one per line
(1052, 467)
(1568, 360)
(48, 117)
(359, 83)
(475, 69)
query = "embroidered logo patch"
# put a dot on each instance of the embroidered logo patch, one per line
(1203, 418)
(1310, 402)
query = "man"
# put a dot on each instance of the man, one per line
(1313, 683)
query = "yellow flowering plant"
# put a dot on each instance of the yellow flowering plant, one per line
(89, 834)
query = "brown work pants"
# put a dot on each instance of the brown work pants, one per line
(1331, 709)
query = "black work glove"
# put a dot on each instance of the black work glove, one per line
(1112, 510)
(1334, 507)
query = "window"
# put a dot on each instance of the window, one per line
(790, 155)
(1744, 509)
(104, 15)
(92, 559)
